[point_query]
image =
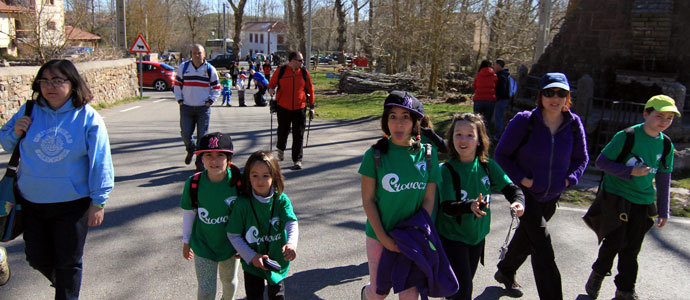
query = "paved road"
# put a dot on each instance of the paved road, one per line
(136, 253)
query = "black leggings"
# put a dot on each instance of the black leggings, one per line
(254, 287)
(464, 260)
(532, 238)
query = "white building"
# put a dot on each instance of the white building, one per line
(263, 37)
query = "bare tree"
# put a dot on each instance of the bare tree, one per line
(298, 25)
(238, 13)
(192, 11)
(355, 24)
(340, 13)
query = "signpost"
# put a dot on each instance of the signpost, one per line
(140, 47)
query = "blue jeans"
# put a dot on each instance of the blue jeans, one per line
(499, 111)
(190, 117)
(54, 238)
(486, 109)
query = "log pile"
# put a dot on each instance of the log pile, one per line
(356, 82)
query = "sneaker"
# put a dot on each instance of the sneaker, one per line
(513, 288)
(243, 105)
(622, 295)
(594, 284)
(281, 155)
(229, 104)
(298, 165)
(188, 158)
(4, 267)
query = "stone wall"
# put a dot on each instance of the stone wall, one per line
(605, 38)
(109, 81)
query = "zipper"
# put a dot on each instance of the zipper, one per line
(553, 142)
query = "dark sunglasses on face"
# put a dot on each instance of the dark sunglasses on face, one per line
(299, 60)
(550, 93)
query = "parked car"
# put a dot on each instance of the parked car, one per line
(222, 60)
(159, 76)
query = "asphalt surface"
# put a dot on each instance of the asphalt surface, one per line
(137, 252)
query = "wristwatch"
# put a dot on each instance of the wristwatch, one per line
(99, 205)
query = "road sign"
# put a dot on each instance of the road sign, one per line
(140, 46)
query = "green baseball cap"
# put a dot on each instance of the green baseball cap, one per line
(662, 103)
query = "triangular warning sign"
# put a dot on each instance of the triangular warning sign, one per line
(140, 46)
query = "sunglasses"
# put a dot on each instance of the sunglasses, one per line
(550, 93)
(52, 82)
(299, 60)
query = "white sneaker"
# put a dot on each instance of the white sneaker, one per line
(4, 267)
(281, 155)
(298, 165)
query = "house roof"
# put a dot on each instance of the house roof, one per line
(264, 27)
(74, 33)
(10, 8)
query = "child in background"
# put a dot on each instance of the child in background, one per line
(240, 89)
(263, 228)
(207, 201)
(225, 83)
(465, 193)
(628, 183)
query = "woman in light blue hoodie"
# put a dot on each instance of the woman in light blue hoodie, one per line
(65, 173)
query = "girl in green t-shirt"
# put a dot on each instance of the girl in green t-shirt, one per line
(263, 228)
(465, 193)
(207, 200)
(397, 181)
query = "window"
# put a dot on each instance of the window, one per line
(51, 25)
(251, 40)
(262, 38)
(280, 39)
(256, 38)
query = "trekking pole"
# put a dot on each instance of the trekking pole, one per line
(516, 221)
(270, 113)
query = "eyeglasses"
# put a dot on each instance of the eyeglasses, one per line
(550, 93)
(52, 82)
(299, 60)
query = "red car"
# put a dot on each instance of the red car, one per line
(157, 75)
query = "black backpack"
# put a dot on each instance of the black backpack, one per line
(235, 181)
(630, 141)
(281, 71)
(530, 126)
(456, 178)
(377, 155)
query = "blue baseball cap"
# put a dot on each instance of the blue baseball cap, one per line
(554, 80)
(405, 100)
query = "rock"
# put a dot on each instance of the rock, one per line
(681, 160)
(356, 82)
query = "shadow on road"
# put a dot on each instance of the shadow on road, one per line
(675, 249)
(159, 177)
(305, 284)
(491, 293)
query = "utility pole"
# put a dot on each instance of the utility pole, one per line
(121, 27)
(225, 39)
(307, 58)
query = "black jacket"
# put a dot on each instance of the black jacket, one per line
(503, 84)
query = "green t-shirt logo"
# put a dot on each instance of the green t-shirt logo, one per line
(390, 184)
(421, 167)
(230, 199)
(203, 216)
(252, 235)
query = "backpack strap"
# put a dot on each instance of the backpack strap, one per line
(485, 166)
(14, 159)
(667, 149)
(281, 71)
(627, 145)
(194, 189)
(456, 181)
(525, 138)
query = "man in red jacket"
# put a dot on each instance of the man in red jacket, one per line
(294, 90)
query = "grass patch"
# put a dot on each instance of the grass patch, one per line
(102, 105)
(331, 105)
